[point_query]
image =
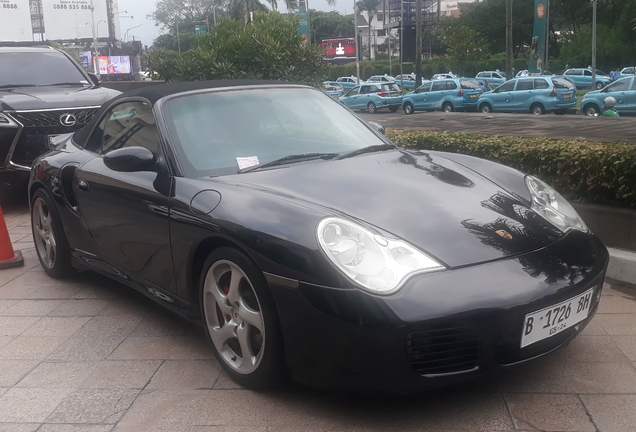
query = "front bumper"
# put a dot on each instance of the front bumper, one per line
(441, 327)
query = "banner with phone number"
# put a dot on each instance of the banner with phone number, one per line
(15, 19)
(72, 19)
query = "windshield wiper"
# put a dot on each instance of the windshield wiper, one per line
(17, 85)
(370, 149)
(290, 159)
(65, 83)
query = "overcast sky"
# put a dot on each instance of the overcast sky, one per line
(147, 31)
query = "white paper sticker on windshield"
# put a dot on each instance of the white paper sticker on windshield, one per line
(246, 162)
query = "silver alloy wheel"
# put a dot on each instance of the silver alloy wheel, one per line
(536, 110)
(43, 234)
(371, 108)
(591, 111)
(447, 107)
(408, 108)
(486, 109)
(233, 317)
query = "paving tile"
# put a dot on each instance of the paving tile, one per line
(627, 344)
(19, 427)
(14, 326)
(75, 428)
(56, 326)
(161, 323)
(58, 375)
(53, 292)
(31, 347)
(5, 340)
(591, 348)
(617, 303)
(8, 275)
(617, 324)
(121, 374)
(32, 307)
(6, 304)
(224, 382)
(16, 291)
(30, 405)
(593, 328)
(40, 279)
(553, 412)
(128, 306)
(613, 413)
(163, 348)
(12, 371)
(105, 406)
(92, 292)
(186, 374)
(80, 307)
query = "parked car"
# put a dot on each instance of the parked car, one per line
(406, 81)
(43, 93)
(443, 76)
(443, 95)
(381, 79)
(623, 90)
(537, 95)
(305, 242)
(582, 78)
(525, 73)
(495, 78)
(347, 82)
(628, 71)
(373, 97)
(333, 89)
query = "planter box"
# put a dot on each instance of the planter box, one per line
(615, 226)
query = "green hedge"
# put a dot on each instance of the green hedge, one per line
(602, 173)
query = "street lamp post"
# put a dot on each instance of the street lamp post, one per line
(593, 44)
(93, 27)
(355, 19)
(126, 34)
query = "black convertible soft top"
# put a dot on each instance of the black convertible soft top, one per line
(155, 92)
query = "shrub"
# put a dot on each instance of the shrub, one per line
(602, 173)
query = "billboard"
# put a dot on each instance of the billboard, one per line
(71, 19)
(15, 17)
(303, 29)
(537, 47)
(114, 65)
(341, 48)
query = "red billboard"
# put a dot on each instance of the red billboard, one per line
(341, 48)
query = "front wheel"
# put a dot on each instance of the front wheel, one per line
(537, 109)
(240, 319)
(408, 108)
(591, 110)
(486, 109)
(448, 107)
(50, 240)
(599, 85)
(371, 108)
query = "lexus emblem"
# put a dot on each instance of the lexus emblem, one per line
(505, 234)
(68, 120)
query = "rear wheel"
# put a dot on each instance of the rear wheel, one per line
(240, 319)
(371, 108)
(591, 110)
(408, 108)
(448, 107)
(486, 108)
(50, 240)
(537, 109)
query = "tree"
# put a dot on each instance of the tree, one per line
(269, 48)
(329, 25)
(370, 6)
(464, 46)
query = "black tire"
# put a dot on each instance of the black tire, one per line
(49, 237)
(537, 109)
(448, 107)
(408, 108)
(235, 300)
(393, 109)
(599, 85)
(371, 108)
(485, 108)
(591, 110)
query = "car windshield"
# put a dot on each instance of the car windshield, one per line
(469, 84)
(562, 83)
(21, 69)
(390, 87)
(217, 131)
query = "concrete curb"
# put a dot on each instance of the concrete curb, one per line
(622, 265)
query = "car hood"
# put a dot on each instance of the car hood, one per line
(438, 205)
(54, 97)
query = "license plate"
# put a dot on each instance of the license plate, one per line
(547, 322)
(473, 96)
(394, 94)
(566, 96)
(335, 96)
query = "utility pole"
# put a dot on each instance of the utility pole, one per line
(418, 43)
(509, 39)
(593, 44)
(355, 24)
(96, 55)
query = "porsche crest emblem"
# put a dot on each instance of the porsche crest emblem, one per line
(505, 234)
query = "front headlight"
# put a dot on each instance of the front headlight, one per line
(6, 121)
(553, 207)
(373, 262)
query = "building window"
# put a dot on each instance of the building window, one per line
(382, 32)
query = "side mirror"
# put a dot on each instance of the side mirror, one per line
(94, 78)
(130, 159)
(377, 126)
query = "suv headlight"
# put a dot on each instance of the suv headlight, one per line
(6, 121)
(553, 207)
(378, 264)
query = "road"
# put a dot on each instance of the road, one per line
(568, 126)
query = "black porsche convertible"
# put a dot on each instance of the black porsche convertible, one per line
(308, 245)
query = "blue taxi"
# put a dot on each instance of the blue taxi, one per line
(536, 94)
(333, 89)
(582, 78)
(347, 82)
(373, 97)
(623, 90)
(443, 95)
(495, 78)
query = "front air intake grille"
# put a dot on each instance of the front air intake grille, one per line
(441, 349)
(52, 118)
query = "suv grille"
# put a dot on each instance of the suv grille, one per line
(441, 348)
(33, 140)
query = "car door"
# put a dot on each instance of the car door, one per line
(350, 97)
(420, 97)
(523, 96)
(437, 94)
(576, 76)
(127, 212)
(502, 96)
(620, 90)
(367, 93)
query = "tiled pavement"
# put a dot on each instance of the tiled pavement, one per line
(87, 354)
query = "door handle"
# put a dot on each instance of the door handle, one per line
(83, 185)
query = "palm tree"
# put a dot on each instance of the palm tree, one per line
(370, 6)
